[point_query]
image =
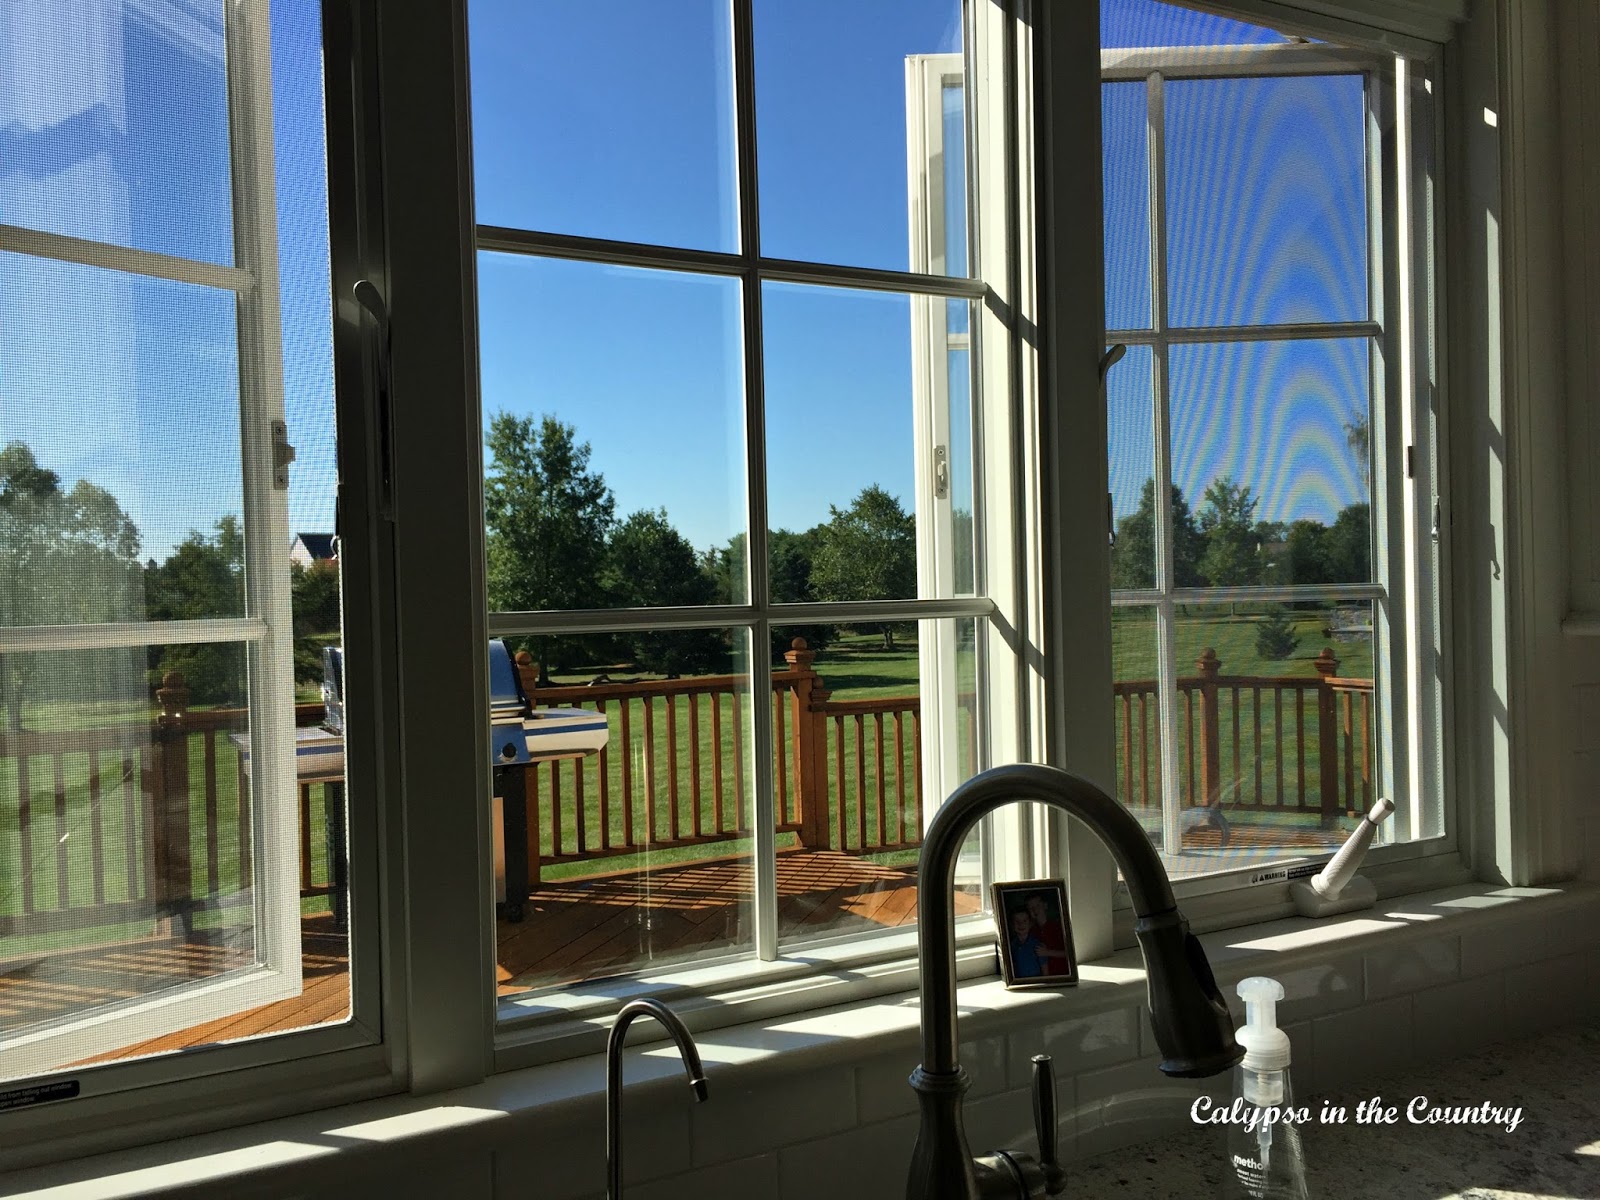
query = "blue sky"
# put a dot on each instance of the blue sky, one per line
(117, 131)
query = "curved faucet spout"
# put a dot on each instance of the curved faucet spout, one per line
(1187, 1010)
(644, 1007)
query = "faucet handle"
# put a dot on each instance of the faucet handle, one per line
(1044, 1123)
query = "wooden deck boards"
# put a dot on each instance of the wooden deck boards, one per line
(584, 928)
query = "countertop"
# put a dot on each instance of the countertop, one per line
(1554, 1153)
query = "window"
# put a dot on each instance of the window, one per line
(1274, 626)
(172, 817)
(747, 482)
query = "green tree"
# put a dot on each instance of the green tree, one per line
(653, 566)
(202, 577)
(1349, 545)
(1275, 635)
(1305, 554)
(1133, 558)
(66, 558)
(789, 556)
(314, 599)
(867, 552)
(1227, 523)
(549, 518)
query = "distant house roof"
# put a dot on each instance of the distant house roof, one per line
(312, 547)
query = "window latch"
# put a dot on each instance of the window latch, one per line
(1111, 521)
(1435, 531)
(282, 456)
(1109, 359)
(941, 473)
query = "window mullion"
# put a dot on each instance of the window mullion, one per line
(1166, 580)
(765, 866)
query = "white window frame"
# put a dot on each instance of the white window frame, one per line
(415, 230)
(47, 1049)
(1402, 550)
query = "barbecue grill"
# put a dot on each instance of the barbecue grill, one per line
(519, 736)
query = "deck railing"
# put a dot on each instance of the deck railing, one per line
(136, 820)
(1253, 743)
(124, 822)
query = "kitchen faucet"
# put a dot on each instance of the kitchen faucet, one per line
(1187, 1011)
(644, 1007)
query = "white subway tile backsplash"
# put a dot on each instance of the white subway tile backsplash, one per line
(1420, 963)
(1084, 1042)
(1507, 944)
(868, 1161)
(1005, 1122)
(741, 1179)
(1460, 1018)
(1362, 1042)
(883, 1088)
(766, 1114)
(567, 1155)
(1545, 995)
(1316, 989)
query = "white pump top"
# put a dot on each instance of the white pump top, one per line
(1266, 1047)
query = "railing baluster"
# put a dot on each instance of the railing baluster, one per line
(63, 866)
(780, 776)
(900, 773)
(25, 830)
(741, 800)
(243, 792)
(579, 807)
(304, 798)
(1255, 712)
(838, 778)
(626, 763)
(1144, 751)
(861, 781)
(672, 768)
(603, 770)
(883, 813)
(213, 825)
(97, 850)
(716, 761)
(650, 834)
(694, 762)
(1188, 714)
(136, 835)
(1366, 751)
(1349, 755)
(1300, 740)
(916, 757)
(1236, 780)
(1277, 735)
(556, 821)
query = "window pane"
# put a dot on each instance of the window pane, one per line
(831, 126)
(1266, 200)
(114, 125)
(876, 725)
(119, 414)
(1270, 445)
(1277, 731)
(1135, 693)
(639, 835)
(846, 406)
(1125, 166)
(135, 858)
(613, 402)
(1126, 23)
(610, 121)
(1130, 421)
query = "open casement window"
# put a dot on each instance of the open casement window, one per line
(945, 433)
(760, 402)
(1274, 562)
(143, 399)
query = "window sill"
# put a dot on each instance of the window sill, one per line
(324, 1150)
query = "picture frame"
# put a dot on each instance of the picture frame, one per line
(1035, 934)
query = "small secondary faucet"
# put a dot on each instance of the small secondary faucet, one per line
(644, 1007)
(1187, 1011)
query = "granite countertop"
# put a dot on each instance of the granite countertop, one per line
(1554, 1153)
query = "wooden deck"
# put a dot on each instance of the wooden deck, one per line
(582, 928)
(577, 929)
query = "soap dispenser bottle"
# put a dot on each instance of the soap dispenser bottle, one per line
(1265, 1159)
